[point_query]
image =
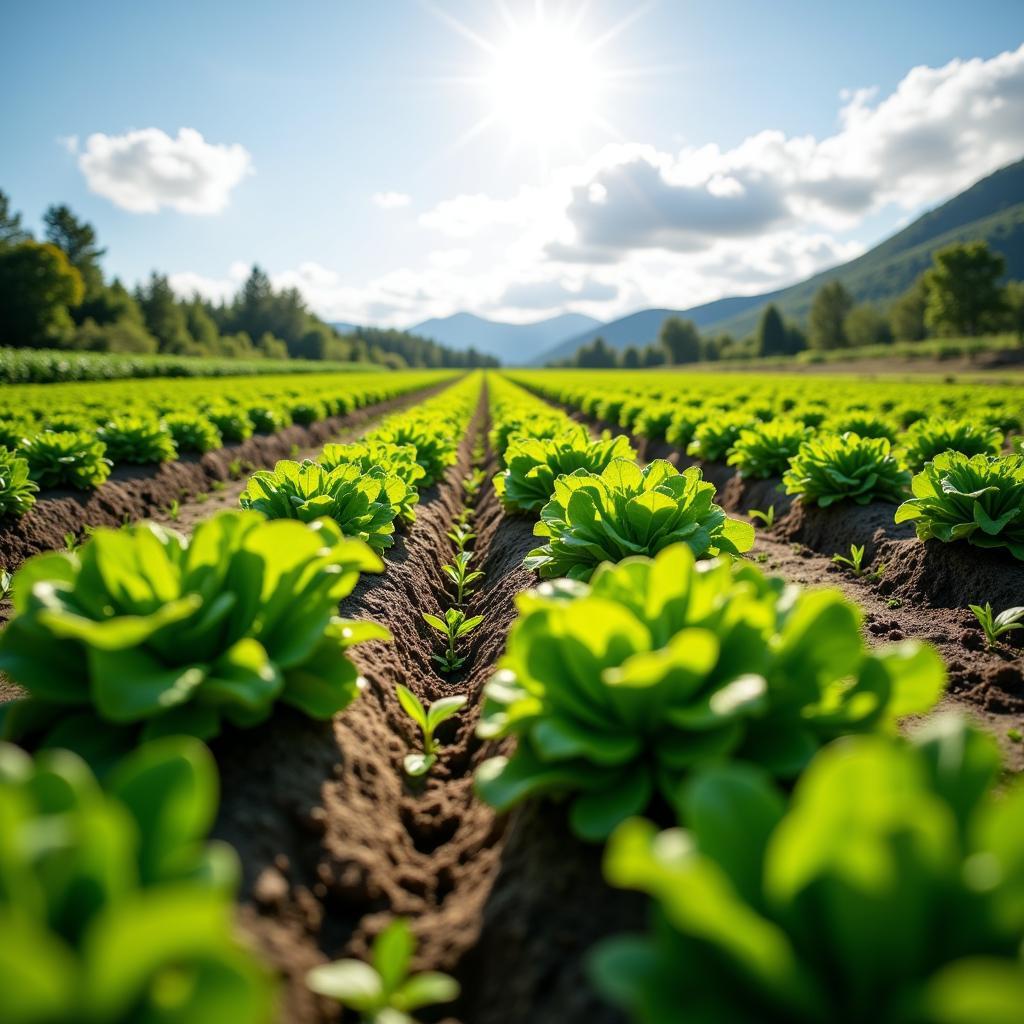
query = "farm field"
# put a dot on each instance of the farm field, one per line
(485, 698)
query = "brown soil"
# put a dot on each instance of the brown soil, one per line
(335, 840)
(138, 492)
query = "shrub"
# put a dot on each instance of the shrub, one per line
(533, 464)
(17, 491)
(626, 511)
(888, 889)
(66, 458)
(137, 441)
(845, 467)
(435, 443)
(114, 907)
(618, 690)
(144, 630)
(716, 434)
(193, 432)
(233, 424)
(978, 499)
(765, 449)
(363, 503)
(928, 438)
(395, 459)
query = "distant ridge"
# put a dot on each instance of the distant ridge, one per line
(991, 210)
(513, 344)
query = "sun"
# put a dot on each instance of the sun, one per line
(545, 83)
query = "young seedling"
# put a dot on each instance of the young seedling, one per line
(383, 991)
(70, 543)
(5, 582)
(460, 536)
(856, 563)
(471, 484)
(453, 627)
(768, 518)
(174, 511)
(459, 573)
(994, 626)
(428, 719)
(463, 518)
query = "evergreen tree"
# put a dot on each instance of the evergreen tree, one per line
(772, 337)
(827, 319)
(78, 240)
(11, 231)
(680, 339)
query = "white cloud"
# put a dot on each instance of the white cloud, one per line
(145, 170)
(390, 200)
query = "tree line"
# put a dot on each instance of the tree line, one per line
(54, 294)
(961, 295)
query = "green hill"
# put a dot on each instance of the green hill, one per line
(991, 210)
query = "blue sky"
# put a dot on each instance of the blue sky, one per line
(298, 115)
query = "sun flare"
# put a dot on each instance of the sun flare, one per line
(545, 83)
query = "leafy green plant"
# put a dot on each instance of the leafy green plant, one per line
(5, 583)
(174, 511)
(824, 910)
(994, 626)
(459, 572)
(654, 420)
(14, 431)
(17, 489)
(533, 464)
(193, 432)
(626, 511)
(142, 630)
(234, 424)
(683, 426)
(461, 536)
(978, 499)
(436, 446)
(765, 449)
(931, 437)
(384, 992)
(395, 460)
(862, 423)
(306, 412)
(471, 484)
(453, 627)
(544, 424)
(428, 719)
(137, 441)
(268, 419)
(619, 690)
(830, 468)
(768, 517)
(715, 435)
(66, 459)
(114, 907)
(363, 503)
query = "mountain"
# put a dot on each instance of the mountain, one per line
(991, 210)
(513, 344)
(343, 328)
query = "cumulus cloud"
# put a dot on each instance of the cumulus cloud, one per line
(145, 170)
(390, 200)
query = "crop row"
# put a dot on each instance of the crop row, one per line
(813, 850)
(73, 435)
(50, 366)
(940, 451)
(131, 650)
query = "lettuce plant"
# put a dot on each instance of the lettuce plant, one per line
(888, 890)
(979, 499)
(234, 424)
(539, 424)
(533, 464)
(683, 426)
(829, 468)
(144, 630)
(928, 438)
(765, 449)
(716, 434)
(655, 419)
(395, 459)
(193, 432)
(619, 690)
(66, 459)
(17, 490)
(626, 511)
(137, 441)
(306, 411)
(113, 907)
(363, 504)
(863, 423)
(14, 431)
(268, 419)
(436, 443)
